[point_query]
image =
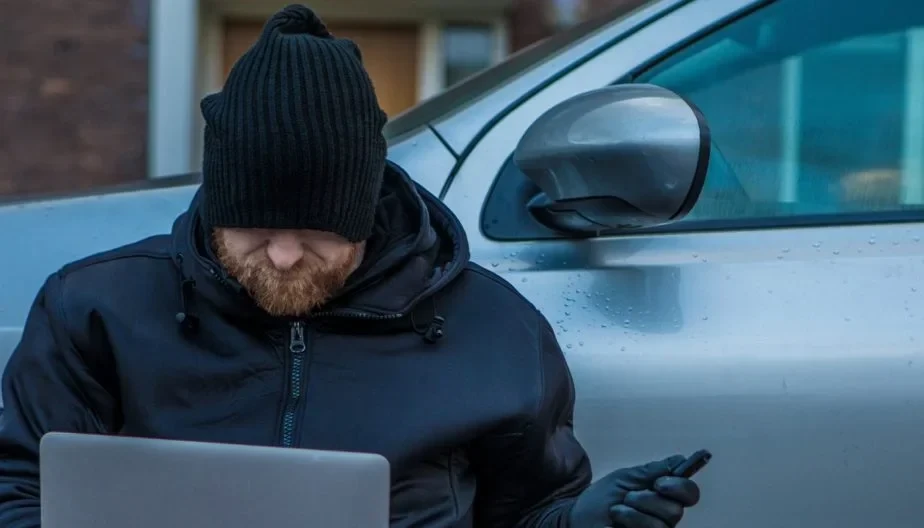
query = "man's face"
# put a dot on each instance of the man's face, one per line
(288, 272)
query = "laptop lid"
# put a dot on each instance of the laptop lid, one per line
(93, 481)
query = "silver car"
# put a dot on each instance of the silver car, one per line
(778, 324)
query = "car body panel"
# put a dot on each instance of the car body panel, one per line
(424, 155)
(794, 355)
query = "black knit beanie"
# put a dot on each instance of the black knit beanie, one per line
(294, 139)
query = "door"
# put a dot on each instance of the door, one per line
(390, 55)
(779, 325)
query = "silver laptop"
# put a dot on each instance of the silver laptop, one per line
(92, 481)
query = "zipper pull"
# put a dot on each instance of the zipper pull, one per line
(297, 338)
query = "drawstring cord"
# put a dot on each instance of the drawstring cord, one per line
(186, 317)
(434, 331)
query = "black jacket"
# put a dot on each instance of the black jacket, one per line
(425, 358)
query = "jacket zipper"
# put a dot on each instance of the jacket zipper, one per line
(297, 349)
(432, 334)
(351, 314)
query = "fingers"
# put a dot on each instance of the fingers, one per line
(662, 468)
(642, 477)
(683, 491)
(655, 505)
(625, 517)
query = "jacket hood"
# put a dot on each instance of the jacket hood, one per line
(418, 246)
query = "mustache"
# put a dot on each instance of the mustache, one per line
(265, 267)
(305, 286)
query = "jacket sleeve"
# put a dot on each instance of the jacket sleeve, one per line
(47, 386)
(531, 476)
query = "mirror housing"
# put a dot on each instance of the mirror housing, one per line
(621, 157)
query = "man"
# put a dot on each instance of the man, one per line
(314, 297)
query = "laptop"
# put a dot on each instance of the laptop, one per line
(94, 481)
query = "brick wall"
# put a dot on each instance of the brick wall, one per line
(73, 94)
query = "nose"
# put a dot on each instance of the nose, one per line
(284, 251)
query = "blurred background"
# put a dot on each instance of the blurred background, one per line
(95, 93)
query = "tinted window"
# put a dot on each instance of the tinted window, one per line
(816, 107)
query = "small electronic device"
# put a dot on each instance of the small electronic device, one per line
(693, 464)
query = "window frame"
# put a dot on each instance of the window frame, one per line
(536, 231)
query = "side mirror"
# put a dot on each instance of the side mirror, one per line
(621, 157)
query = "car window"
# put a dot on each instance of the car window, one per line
(815, 113)
(815, 108)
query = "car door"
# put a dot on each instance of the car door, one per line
(779, 325)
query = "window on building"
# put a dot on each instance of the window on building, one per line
(467, 49)
(810, 113)
(567, 13)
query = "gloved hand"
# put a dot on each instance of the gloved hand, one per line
(639, 497)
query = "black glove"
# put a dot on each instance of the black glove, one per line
(639, 497)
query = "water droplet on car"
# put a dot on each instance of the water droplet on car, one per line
(626, 322)
(816, 245)
(495, 264)
(872, 241)
(622, 349)
(523, 279)
(836, 252)
(785, 250)
(569, 345)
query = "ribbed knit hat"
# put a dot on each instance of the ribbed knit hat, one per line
(294, 139)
